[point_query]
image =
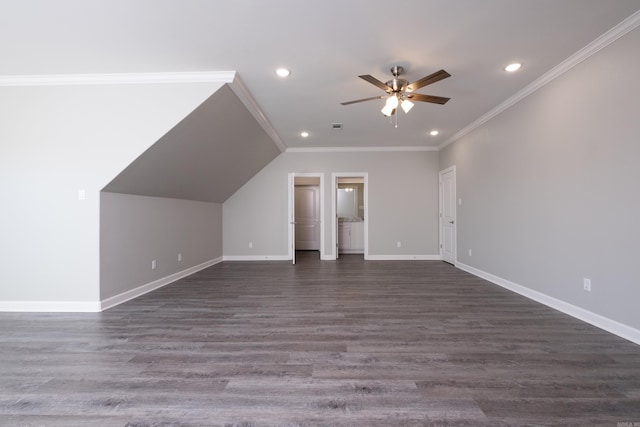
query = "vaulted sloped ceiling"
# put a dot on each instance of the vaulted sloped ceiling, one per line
(206, 157)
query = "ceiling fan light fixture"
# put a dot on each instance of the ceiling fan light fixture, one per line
(392, 102)
(387, 110)
(406, 105)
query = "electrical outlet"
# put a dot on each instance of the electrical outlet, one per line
(153, 264)
(586, 284)
(250, 245)
(399, 244)
(470, 252)
(179, 256)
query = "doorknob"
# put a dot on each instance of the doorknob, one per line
(450, 222)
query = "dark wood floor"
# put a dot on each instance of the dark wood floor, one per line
(346, 343)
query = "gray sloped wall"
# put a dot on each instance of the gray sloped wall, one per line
(168, 201)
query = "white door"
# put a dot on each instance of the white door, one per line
(307, 217)
(448, 215)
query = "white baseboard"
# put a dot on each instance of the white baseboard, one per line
(332, 257)
(256, 258)
(141, 290)
(51, 306)
(609, 325)
(403, 257)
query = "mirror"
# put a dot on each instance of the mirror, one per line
(347, 202)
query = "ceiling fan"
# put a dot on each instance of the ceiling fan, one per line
(400, 91)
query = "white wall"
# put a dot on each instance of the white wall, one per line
(134, 230)
(551, 187)
(403, 203)
(55, 140)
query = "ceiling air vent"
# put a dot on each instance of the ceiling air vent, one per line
(336, 126)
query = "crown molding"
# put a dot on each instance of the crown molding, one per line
(240, 89)
(118, 79)
(629, 24)
(355, 149)
(229, 77)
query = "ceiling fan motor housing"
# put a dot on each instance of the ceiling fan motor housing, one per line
(396, 84)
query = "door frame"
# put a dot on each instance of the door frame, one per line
(441, 210)
(334, 210)
(291, 209)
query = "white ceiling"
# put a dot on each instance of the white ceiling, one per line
(326, 44)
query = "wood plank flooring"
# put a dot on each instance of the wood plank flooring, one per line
(345, 343)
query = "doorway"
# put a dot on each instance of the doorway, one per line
(350, 214)
(306, 207)
(447, 179)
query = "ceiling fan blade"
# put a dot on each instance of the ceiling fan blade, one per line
(376, 82)
(362, 100)
(431, 78)
(427, 98)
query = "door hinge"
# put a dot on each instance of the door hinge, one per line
(440, 245)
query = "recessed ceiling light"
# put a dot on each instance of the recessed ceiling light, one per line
(283, 72)
(304, 134)
(434, 132)
(513, 67)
